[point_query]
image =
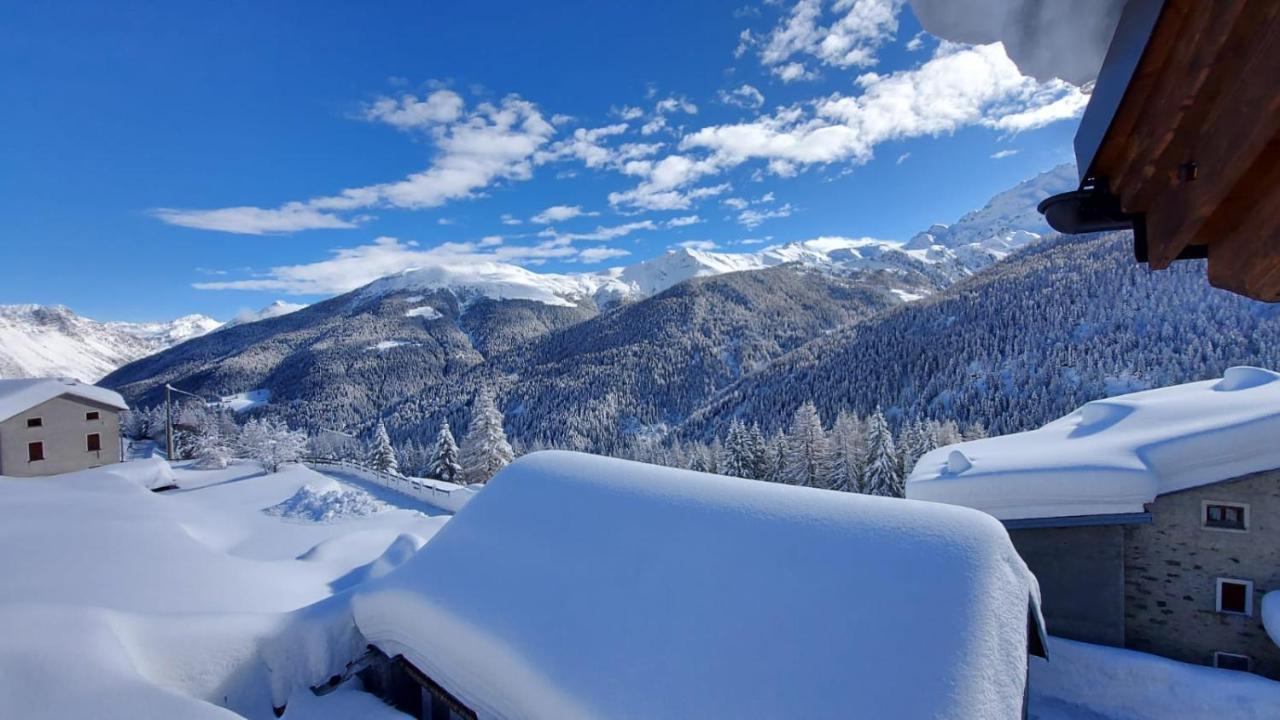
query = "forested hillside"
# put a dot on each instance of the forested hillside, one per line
(1066, 321)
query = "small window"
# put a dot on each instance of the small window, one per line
(1224, 516)
(35, 451)
(1231, 661)
(1235, 597)
(93, 415)
(95, 442)
(35, 422)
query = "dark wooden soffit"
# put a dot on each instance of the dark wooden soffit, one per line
(1195, 142)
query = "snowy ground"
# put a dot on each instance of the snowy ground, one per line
(119, 602)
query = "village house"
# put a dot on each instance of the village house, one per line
(1151, 520)
(57, 425)
(701, 596)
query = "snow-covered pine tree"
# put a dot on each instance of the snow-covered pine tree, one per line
(882, 475)
(209, 446)
(776, 458)
(485, 449)
(444, 463)
(382, 456)
(737, 452)
(758, 452)
(808, 455)
(272, 443)
(848, 449)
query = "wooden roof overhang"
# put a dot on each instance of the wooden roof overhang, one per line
(1181, 140)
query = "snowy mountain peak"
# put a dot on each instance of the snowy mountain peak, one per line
(51, 340)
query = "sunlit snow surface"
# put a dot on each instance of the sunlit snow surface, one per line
(1114, 455)
(120, 602)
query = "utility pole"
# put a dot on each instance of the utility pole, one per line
(169, 390)
(168, 422)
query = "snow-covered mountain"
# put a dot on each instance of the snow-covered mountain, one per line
(49, 340)
(1007, 222)
(275, 309)
(939, 256)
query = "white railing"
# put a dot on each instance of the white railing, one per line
(446, 498)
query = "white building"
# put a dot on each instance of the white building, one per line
(577, 586)
(56, 425)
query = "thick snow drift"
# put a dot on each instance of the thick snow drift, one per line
(121, 603)
(1105, 682)
(1066, 40)
(1114, 455)
(327, 504)
(578, 586)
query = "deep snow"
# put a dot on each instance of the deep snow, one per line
(119, 602)
(577, 586)
(1114, 455)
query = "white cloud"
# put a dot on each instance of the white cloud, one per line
(673, 104)
(598, 254)
(958, 87)
(495, 142)
(409, 112)
(847, 34)
(753, 218)
(287, 218)
(491, 240)
(1003, 154)
(560, 213)
(350, 268)
(601, 233)
(683, 221)
(509, 219)
(736, 203)
(628, 112)
(902, 158)
(585, 145)
(703, 245)
(744, 96)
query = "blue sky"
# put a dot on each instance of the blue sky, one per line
(168, 158)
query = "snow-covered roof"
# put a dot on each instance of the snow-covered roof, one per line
(577, 586)
(1113, 456)
(24, 394)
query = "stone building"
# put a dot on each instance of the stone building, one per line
(1151, 520)
(57, 425)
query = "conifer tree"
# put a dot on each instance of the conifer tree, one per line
(382, 456)
(485, 449)
(808, 456)
(882, 475)
(445, 464)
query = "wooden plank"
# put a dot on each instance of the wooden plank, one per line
(1224, 140)
(1172, 23)
(1244, 256)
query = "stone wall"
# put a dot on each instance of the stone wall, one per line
(1081, 576)
(1172, 564)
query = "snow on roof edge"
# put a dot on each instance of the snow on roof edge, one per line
(1115, 455)
(18, 395)
(745, 555)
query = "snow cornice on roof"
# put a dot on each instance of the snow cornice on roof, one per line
(19, 395)
(1115, 455)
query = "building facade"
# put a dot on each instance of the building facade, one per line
(52, 430)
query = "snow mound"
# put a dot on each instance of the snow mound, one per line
(574, 585)
(1114, 456)
(151, 473)
(1271, 615)
(329, 505)
(1117, 683)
